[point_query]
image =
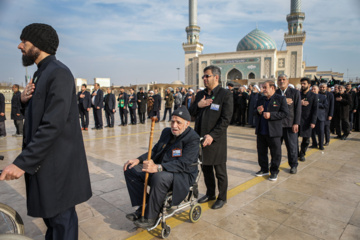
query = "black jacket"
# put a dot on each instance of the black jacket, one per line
(308, 113)
(133, 101)
(99, 99)
(142, 100)
(157, 102)
(109, 101)
(2, 107)
(16, 107)
(278, 109)
(294, 115)
(53, 155)
(214, 120)
(85, 102)
(123, 99)
(342, 107)
(330, 107)
(181, 166)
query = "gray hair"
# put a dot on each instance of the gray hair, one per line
(215, 71)
(322, 84)
(282, 75)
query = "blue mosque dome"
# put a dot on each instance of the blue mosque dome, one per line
(256, 40)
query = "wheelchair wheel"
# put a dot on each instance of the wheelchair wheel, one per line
(165, 232)
(195, 213)
(10, 220)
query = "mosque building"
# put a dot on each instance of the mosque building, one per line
(256, 58)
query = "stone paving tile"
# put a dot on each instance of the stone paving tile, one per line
(285, 233)
(351, 233)
(289, 198)
(355, 218)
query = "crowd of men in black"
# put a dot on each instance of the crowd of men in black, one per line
(147, 104)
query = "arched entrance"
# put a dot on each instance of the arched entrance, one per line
(234, 74)
(251, 75)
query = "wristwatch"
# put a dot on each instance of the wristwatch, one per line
(159, 168)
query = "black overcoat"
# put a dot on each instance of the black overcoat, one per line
(16, 107)
(84, 103)
(343, 107)
(214, 122)
(322, 107)
(133, 101)
(2, 107)
(330, 107)
(181, 166)
(109, 101)
(53, 155)
(308, 114)
(157, 102)
(142, 100)
(99, 98)
(294, 108)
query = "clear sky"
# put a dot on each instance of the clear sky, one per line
(139, 41)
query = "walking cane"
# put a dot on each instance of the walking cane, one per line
(153, 120)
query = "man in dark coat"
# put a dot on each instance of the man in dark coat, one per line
(254, 96)
(169, 100)
(291, 122)
(2, 116)
(97, 104)
(109, 108)
(329, 111)
(16, 113)
(272, 109)
(342, 106)
(353, 107)
(309, 108)
(321, 118)
(235, 105)
(157, 105)
(171, 167)
(213, 109)
(357, 114)
(53, 156)
(132, 106)
(123, 99)
(84, 101)
(242, 98)
(142, 99)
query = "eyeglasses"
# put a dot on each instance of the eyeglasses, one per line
(206, 76)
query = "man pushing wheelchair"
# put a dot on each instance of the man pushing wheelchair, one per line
(172, 168)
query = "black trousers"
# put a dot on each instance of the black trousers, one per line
(155, 114)
(167, 110)
(265, 142)
(304, 146)
(319, 131)
(351, 120)
(176, 106)
(2, 129)
(327, 131)
(19, 125)
(342, 124)
(84, 117)
(98, 117)
(141, 116)
(160, 184)
(242, 115)
(63, 226)
(123, 116)
(222, 180)
(132, 115)
(109, 118)
(291, 143)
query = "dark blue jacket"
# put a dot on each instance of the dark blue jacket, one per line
(109, 101)
(308, 113)
(184, 173)
(294, 116)
(123, 97)
(99, 98)
(322, 107)
(278, 111)
(16, 107)
(85, 102)
(133, 101)
(330, 107)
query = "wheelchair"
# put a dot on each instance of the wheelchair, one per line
(190, 201)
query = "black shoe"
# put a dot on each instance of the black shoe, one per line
(302, 158)
(326, 144)
(313, 146)
(107, 126)
(147, 223)
(344, 137)
(338, 136)
(135, 215)
(218, 204)
(321, 148)
(206, 198)
(261, 173)
(94, 128)
(273, 177)
(293, 170)
(99, 128)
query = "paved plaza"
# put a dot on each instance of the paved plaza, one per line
(321, 201)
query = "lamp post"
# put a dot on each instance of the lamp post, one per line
(178, 73)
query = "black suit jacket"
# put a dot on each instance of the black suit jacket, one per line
(330, 107)
(181, 166)
(2, 107)
(278, 109)
(16, 107)
(308, 113)
(132, 101)
(294, 115)
(110, 102)
(123, 97)
(157, 102)
(85, 102)
(53, 155)
(214, 122)
(99, 99)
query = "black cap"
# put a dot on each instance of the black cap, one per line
(183, 113)
(230, 84)
(42, 36)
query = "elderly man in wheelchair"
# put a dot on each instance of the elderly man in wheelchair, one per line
(172, 168)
